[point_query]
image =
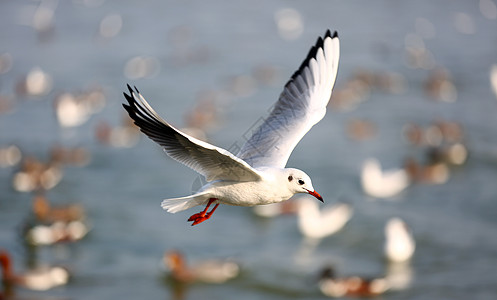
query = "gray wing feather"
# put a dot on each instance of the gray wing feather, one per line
(210, 161)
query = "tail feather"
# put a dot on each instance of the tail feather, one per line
(174, 205)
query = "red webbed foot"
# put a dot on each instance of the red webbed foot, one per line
(203, 215)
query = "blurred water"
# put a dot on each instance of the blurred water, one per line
(454, 224)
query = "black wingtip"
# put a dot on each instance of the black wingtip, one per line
(129, 97)
(312, 53)
(330, 35)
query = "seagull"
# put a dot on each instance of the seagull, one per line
(257, 174)
(382, 183)
(39, 279)
(207, 271)
(352, 286)
(318, 224)
(399, 242)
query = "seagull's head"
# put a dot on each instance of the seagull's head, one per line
(300, 182)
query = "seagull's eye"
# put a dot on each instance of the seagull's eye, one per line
(290, 178)
(301, 182)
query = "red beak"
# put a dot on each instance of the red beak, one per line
(316, 194)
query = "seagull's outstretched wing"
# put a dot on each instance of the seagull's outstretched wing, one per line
(210, 161)
(301, 105)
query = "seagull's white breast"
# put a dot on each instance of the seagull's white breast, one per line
(270, 189)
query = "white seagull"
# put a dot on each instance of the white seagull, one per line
(382, 183)
(318, 224)
(399, 242)
(257, 174)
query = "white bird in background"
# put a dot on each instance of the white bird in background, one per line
(399, 248)
(316, 224)
(257, 175)
(41, 278)
(350, 286)
(207, 271)
(382, 184)
(70, 110)
(399, 243)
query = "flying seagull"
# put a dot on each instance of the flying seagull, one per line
(257, 174)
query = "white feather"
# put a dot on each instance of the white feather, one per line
(174, 205)
(301, 105)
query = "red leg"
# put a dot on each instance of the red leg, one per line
(203, 215)
(206, 217)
